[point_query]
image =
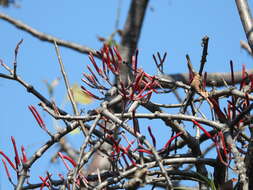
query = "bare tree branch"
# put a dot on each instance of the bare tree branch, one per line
(129, 41)
(119, 150)
(48, 38)
(213, 79)
(246, 47)
(130, 36)
(131, 29)
(246, 19)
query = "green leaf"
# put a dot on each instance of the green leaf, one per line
(80, 96)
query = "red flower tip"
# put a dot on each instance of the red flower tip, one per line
(6, 169)
(37, 117)
(8, 160)
(23, 154)
(17, 160)
(171, 139)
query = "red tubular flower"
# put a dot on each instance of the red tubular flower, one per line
(37, 117)
(42, 186)
(118, 54)
(23, 154)
(70, 160)
(123, 149)
(115, 144)
(144, 151)
(91, 79)
(138, 80)
(92, 73)
(104, 65)
(8, 160)
(73, 162)
(140, 95)
(112, 64)
(223, 143)
(219, 153)
(44, 182)
(112, 56)
(88, 83)
(243, 83)
(205, 131)
(63, 159)
(99, 71)
(109, 65)
(217, 109)
(89, 93)
(108, 59)
(134, 62)
(144, 95)
(17, 160)
(6, 170)
(148, 85)
(148, 76)
(220, 156)
(171, 139)
(152, 83)
(129, 145)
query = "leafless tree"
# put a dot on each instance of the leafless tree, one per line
(116, 153)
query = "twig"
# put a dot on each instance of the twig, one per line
(246, 47)
(191, 141)
(239, 161)
(70, 94)
(106, 113)
(192, 91)
(170, 161)
(65, 77)
(87, 118)
(54, 139)
(80, 158)
(246, 19)
(48, 38)
(180, 79)
(15, 60)
(161, 61)
(30, 89)
(204, 54)
(242, 115)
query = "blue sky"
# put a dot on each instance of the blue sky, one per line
(172, 26)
